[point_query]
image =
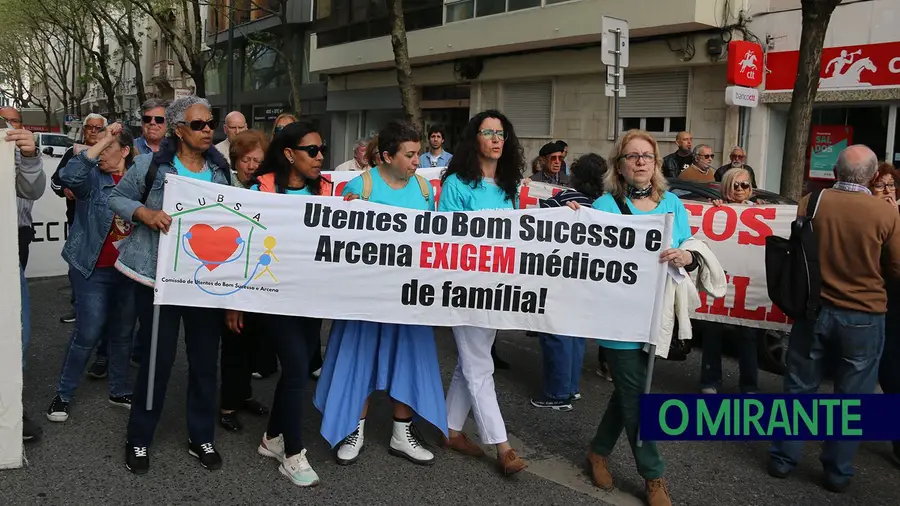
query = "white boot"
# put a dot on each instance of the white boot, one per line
(350, 447)
(404, 443)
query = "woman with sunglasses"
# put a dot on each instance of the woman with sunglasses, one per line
(484, 173)
(292, 166)
(364, 356)
(187, 151)
(284, 119)
(737, 188)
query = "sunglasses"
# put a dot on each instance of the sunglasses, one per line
(278, 129)
(708, 157)
(160, 120)
(313, 151)
(556, 158)
(743, 185)
(198, 125)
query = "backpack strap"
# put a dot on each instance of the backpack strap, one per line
(367, 185)
(424, 186)
(149, 179)
(811, 253)
(623, 207)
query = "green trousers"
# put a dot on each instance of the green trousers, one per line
(629, 373)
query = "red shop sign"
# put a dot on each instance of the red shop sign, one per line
(744, 63)
(848, 67)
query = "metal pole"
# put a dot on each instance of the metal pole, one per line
(656, 319)
(229, 88)
(154, 344)
(617, 75)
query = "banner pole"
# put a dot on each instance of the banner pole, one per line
(151, 372)
(656, 320)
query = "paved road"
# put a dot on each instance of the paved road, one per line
(81, 461)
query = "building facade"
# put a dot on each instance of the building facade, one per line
(538, 61)
(858, 95)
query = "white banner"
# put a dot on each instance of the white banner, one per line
(737, 235)
(10, 316)
(549, 270)
(50, 230)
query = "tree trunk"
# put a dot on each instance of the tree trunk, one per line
(816, 15)
(409, 96)
(136, 54)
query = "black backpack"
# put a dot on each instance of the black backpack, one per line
(793, 275)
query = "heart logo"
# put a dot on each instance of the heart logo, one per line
(213, 246)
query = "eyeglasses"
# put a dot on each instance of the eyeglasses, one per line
(634, 157)
(708, 157)
(93, 128)
(313, 151)
(198, 125)
(14, 121)
(881, 186)
(738, 157)
(556, 158)
(490, 133)
(160, 120)
(743, 185)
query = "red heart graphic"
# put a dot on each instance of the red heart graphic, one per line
(213, 245)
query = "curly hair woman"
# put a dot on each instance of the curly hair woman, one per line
(483, 174)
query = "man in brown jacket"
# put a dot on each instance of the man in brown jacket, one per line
(701, 170)
(857, 250)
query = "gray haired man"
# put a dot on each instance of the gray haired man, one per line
(701, 170)
(153, 126)
(358, 162)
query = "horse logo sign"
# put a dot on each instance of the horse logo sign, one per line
(744, 62)
(853, 76)
(860, 67)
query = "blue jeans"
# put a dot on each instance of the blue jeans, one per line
(26, 316)
(104, 302)
(858, 338)
(563, 358)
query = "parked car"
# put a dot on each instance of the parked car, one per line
(52, 144)
(772, 344)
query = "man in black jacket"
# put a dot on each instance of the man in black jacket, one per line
(676, 162)
(93, 124)
(738, 159)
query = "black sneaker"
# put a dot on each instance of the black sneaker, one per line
(68, 317)
(207, 455)
(137, 460)
(31, 431)
(58, 410)
(554, 404)
(123, 401)
(97, 370)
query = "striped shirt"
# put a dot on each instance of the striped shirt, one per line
(23, 208)
(562, 198)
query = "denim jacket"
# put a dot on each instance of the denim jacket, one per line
(92, 188)
(137, 252)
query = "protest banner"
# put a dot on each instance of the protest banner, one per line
(548, 270)
(736, 234)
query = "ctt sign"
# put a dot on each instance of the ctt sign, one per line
(741, 96)
(745, 63)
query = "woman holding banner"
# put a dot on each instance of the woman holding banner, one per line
(636, 185)
(483, 174)
(364, 356)
(292, 166)
(187, 152)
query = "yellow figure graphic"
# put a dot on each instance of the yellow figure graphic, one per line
(266, 258)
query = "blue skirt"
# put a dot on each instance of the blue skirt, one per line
(362, 357)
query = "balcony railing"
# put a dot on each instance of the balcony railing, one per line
(417, 19)
(164, 70)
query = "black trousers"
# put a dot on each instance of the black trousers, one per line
(238, 351)
(202, 330)
(294, 338)
(26, 236)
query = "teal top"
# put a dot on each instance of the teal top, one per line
(203, 175)
(410, 196)
(289, 190)
(681, 231)
(459, 196)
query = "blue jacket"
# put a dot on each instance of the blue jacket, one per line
(442, 161)
(137, 253)
(87, 234)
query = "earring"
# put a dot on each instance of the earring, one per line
(290, 160)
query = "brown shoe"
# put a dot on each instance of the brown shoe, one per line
(600, 471)
(462, 444)
(510, 462)
(658, 493)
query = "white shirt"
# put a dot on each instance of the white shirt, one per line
(224, 148)
(351, 164)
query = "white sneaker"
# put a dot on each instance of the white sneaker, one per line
(273, 448)
(406, 444)
(708, 390)
(297, 468)
(352, 445)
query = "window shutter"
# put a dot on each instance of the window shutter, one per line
(527, 105)
(655, 95)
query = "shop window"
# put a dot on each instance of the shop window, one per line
(529, 106)
(655, 102)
